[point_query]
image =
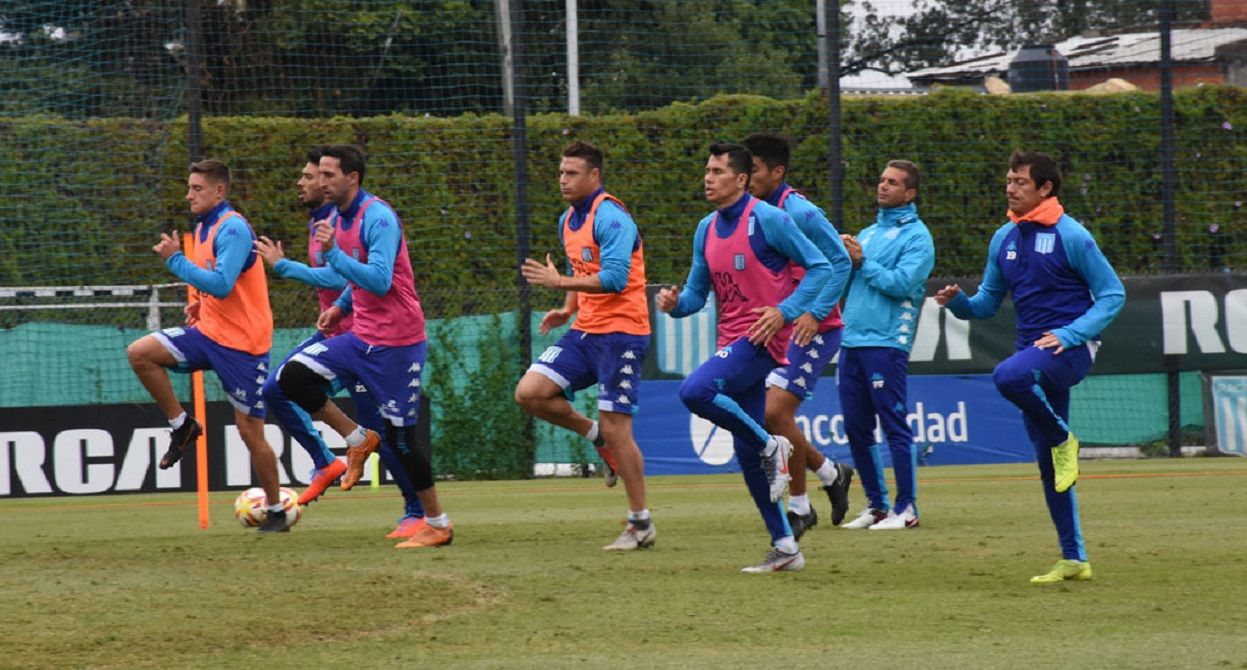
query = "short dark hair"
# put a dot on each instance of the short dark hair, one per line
(215, 170)
(913, 176)
(314, 154)
(773, 149)
(1043, 168)
(583, 150)
(350, 157)
(738, 157)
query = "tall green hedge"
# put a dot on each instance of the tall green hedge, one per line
(86, 199)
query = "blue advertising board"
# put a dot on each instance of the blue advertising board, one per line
(956, 419)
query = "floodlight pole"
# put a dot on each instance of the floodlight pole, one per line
(573, 59)
(830, 41)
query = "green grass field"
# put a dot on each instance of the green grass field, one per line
(130, 581)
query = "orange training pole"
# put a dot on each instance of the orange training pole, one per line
(197, 393)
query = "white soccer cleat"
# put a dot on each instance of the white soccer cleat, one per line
(906, 519)
(634, 538)
(868, 517)
(777, 561)
(776, 467)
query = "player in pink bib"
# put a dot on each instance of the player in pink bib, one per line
(744, 252)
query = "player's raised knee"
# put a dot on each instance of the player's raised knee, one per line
(1012, 378)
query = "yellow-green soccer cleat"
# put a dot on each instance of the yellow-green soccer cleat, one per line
(1065, 463)
(1065, 569)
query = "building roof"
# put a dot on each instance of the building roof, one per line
(1192, 45)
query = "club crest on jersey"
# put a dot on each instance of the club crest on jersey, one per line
(738, 262)
(1045, 243)
(586, 254)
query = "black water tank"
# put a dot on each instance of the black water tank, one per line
(1039, 67)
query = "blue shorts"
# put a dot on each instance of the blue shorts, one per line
(391, 375)
(613, 361)
(242, 374)
(806, 364)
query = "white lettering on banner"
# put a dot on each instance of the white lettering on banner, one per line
(27, 463)
(1203, 323)
(927, 337)
(71, 450)
(1236, 319)
(928, 427)
(238, 458)
(146, 445)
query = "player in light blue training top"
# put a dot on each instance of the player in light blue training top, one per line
(1065, 294)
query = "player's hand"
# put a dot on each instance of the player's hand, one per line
(537, 274)
(804, 329)
(269, 250)
(192, 313)
(770, 320)
(947, 294)
(329, 318)
(1050, 341)
(170, 243)
(854, 248)
(324, 235)
(668, 297)
(553, 319)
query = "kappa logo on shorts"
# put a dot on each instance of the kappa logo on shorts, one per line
(415, 367)
(586, 254)
(812, 353)
(625, 370)
(738, 261)
(807, 368)
(262, 367)
(259, 380)
(628, 356)
(413, 398)
(623, 400)
(818, 339)
(625, 384)
(259, 405)
(413, 384)
(800, 381)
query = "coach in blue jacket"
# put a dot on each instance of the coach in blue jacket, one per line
(892, 260)
(1065, 293)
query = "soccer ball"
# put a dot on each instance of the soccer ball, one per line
(250, 507)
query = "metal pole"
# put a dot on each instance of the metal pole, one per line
(523, 234)
(194, 80)
(834, 146)
(573, 60)
(503, 10)
(820, 27)
(1168, 190)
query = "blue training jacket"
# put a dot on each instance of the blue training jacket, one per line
(1060, 280)
(886, 292)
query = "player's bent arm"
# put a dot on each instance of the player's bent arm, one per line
(616, 238)
(344, 301)
(1106, 287)
(783, 235)
(824, 236)
(323, 277)
(697, 287)
(382, 235)
(991, 290)
(233, 245)
(914, 265)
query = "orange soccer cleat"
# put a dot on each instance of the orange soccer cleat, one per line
(321, 479)
(429, 536)
(356, 457)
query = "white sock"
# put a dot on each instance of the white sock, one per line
(788, 545)
(439, 521)
(356, 437)
(177, 422)
(273, 509)
(799, 504)
(827, 472)
(643, 515)
(593, 432)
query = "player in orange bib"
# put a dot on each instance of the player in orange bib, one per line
(229, 328)
(607, 343)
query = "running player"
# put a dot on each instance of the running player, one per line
(815, 336)
(229, 328)
(743, 252)
(386, 347)
(608, 342)
(328, 285)
(1065, 294)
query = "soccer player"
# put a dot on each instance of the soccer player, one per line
(608, 342)
(328, 285)
(229, 328)
(743, 252)
(815, 336)
(892, 260)
(386, 347)
(1065, 294)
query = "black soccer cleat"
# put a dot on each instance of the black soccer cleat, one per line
(838, 493)
(802, 522)
(274, 522)
(181, 440)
